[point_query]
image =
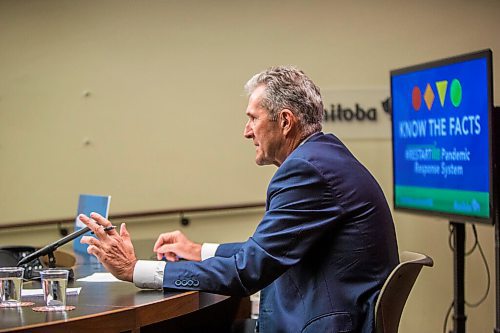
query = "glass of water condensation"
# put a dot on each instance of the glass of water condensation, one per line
(54, 282)
(11, 284)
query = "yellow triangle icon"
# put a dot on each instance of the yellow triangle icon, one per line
(441, 88)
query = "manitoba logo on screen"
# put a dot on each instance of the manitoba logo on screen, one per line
(428, 96)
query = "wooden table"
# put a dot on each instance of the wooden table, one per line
(122, 307)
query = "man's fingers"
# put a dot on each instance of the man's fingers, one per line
(171, 245)
(90, 241)
(169, 251)
(158, 243)
(95, 251)
(124, 232)
(162, 239)
(169, 238)
(89, 222)
(171, 257)
(97, 223)
(165, 248)
(100, 219)
(101, 233)
(103, 222)
(96, 228)
(94, 246)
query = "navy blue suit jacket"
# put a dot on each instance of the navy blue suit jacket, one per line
(321, 252)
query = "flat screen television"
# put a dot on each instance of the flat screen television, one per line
(443, 138)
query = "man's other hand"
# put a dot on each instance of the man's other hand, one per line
(174, 246)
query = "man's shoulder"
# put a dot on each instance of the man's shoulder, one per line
(320, 147)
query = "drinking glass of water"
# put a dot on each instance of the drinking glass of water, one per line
(54, 282)
(11, 283)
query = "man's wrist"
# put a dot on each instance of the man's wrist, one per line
(197, 251)
(130, 275)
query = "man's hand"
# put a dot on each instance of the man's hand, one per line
(115, 251)
(174, 246)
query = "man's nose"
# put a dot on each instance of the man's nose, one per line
(247, 132)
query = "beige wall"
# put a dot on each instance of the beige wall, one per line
(164, 117)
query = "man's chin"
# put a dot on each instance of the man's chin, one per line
(261, 161)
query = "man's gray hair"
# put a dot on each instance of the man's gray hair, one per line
(287, 87)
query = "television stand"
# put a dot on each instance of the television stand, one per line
(496, 123)
(497, 277)
(459, 316)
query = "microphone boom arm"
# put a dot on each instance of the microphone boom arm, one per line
(53, 246)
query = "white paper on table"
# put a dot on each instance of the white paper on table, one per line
(39, 292)
(99, 277)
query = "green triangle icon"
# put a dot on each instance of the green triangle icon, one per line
(441, 88)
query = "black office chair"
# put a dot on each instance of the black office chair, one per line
(244, 326)
(8, 259)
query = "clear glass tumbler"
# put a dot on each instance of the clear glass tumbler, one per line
(11, 284)
(54, 282)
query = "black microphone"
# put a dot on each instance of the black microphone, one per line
(52, 247)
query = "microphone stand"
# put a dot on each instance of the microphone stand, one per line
(49, 249)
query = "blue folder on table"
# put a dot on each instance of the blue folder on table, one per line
(89, 203)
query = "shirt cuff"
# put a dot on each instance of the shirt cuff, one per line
(148, 274)
(208, 250)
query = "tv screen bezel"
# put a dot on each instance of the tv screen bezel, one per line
(483, 54)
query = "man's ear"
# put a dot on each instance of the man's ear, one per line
(287, 121)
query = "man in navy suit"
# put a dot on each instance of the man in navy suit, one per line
(326, 242)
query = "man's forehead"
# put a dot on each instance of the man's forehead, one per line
(254, 101)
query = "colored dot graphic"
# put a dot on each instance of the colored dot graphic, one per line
(416, 98)
(456, 93)
(429, 96)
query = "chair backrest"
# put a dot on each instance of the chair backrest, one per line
(395, 291)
